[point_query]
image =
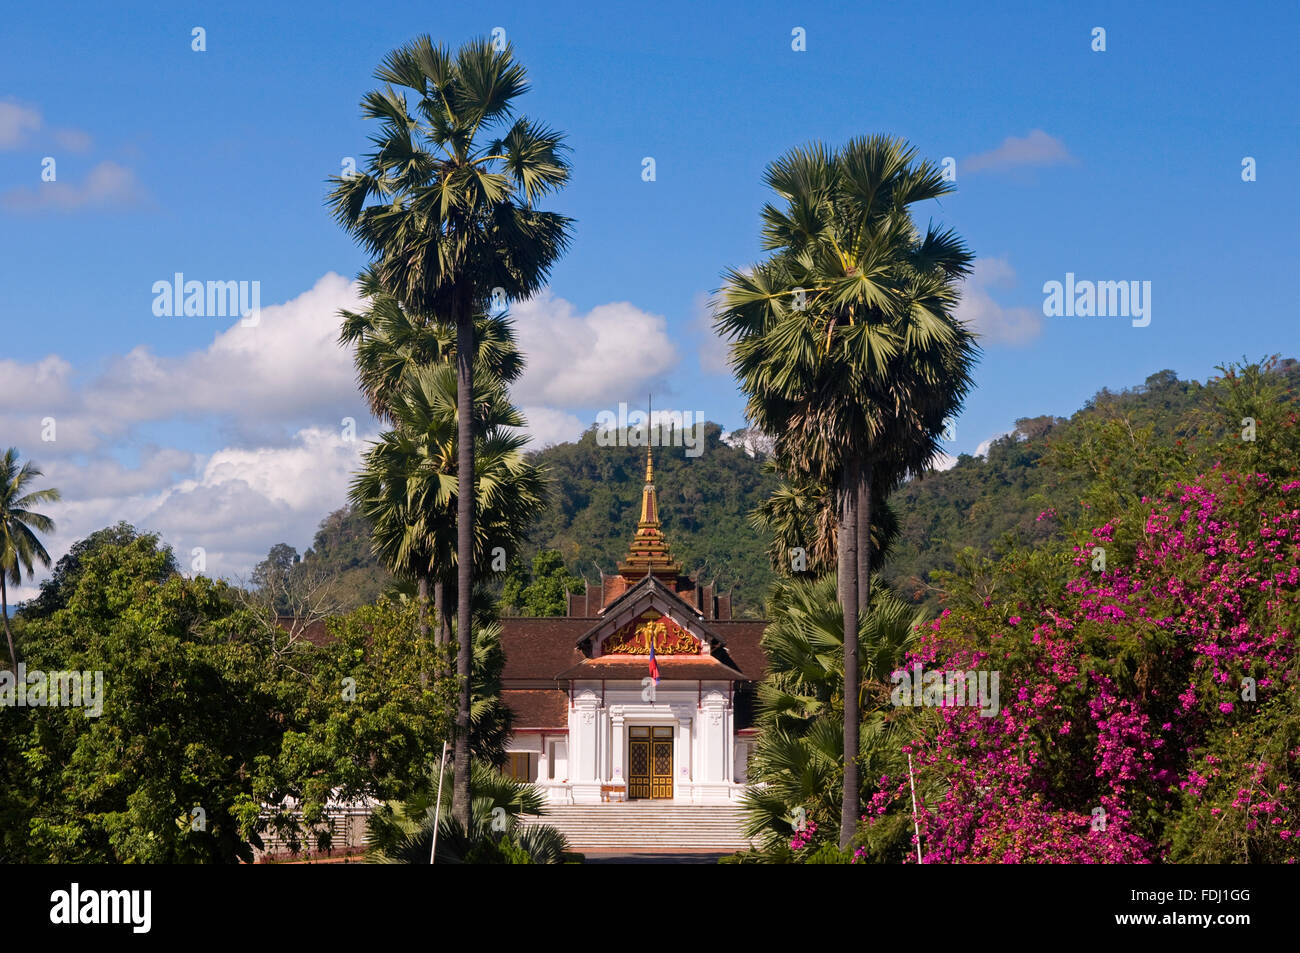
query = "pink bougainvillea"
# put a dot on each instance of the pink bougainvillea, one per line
(1108, 696)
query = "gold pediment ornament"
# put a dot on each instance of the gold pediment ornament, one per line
(667, 636)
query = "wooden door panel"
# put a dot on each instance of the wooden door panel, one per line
(661, 770)
(638, 773)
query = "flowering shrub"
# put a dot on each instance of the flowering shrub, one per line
(1148, 713)
(803, 838)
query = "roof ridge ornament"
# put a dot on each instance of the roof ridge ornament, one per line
(649, 554)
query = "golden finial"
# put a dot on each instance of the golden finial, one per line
(649, 456)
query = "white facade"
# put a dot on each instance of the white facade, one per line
(708, 761)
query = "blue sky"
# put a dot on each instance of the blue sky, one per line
(1116, 165)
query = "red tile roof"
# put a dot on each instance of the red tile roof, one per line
(547, 708)
(742, 646)
(541, 648)
(671, 667)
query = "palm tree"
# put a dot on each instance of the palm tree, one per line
(391, 344)
(402, 832)
(454, 184)
(19, 546)
(799, 758)
(408, 487)
(845, 342)
(800, 514)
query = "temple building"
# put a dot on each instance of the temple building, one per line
(592, 724)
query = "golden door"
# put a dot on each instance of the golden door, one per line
(650, 763)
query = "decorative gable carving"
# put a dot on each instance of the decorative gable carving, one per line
(635, 638)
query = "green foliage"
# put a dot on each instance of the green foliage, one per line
(402, 832)
(1253, 782)
(185, 714)
(798, 759)
(1119, 447)
(704, 505)
(543, 593)
(204, 706)
(58, 588)
(338, 560)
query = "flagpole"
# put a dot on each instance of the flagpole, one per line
(437, 811)
(912, 781)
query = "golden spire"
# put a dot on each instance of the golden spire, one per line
(649, 554)
(649, 503)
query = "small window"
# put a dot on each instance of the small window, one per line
(519, 765)
(641, 732)
(665, 732)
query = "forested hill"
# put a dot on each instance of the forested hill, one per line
(705, 501)
(704, 505)
(1045, 462)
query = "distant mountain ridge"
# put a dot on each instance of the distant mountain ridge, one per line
(705, 502)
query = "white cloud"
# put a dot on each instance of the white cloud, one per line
(276, 392)
(994, 322)
(74, 140)
(289, 366)
(107, 478)
(549, 425)
(235, 503)
(713, 347)
(108, 185)
(16, 124)
(17, 594)
(43, 385)
(19, 124)
(588, 360)
(1036, 149)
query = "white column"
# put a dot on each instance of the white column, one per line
(618, 745)
(713, 747)
(585, 742)
(685, 755)
(728, 744)
(603, 738)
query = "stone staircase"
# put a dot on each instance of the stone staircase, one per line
(646, 827)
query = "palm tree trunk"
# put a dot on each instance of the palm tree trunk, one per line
(849, 598)
(460, 800)
(865, 542)
(440, 610)
(422, 600)
(4, 612)
(444, 593)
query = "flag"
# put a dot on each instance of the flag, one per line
(654, 666)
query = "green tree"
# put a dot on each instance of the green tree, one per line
(271, 575)
(455, 224)
(185, 714)
(798, 761)
(20, 547)
(846, 347)
(544, 592)
(402, 832)
(205, 707)
(392, 346)
(409, 490)
(62, 582)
